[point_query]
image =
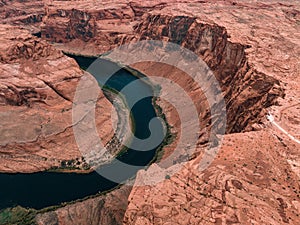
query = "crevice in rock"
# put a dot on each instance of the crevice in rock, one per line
(55, 90)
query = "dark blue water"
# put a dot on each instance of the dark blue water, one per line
(44, 189)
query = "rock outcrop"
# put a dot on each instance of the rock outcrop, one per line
(250, 182)
(247, 90)
(37, 86)
(253, 50)
(25, 13)
(245, 184)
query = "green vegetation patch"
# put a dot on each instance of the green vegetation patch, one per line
(18, 216)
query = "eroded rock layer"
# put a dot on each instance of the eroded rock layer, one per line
(25, 13)
(253, 50)
(37, 87)
(250, 182)
(98, 29)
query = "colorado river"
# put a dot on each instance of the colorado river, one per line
(43, 189)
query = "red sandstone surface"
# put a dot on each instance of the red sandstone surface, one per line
(37, 86)
(253, 48)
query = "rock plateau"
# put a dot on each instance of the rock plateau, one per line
(253, 49)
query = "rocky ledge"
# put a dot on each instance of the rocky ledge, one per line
(37, 86)
(253, 50)
(93, 30)
(256, 63)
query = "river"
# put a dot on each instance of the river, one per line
(43, 189)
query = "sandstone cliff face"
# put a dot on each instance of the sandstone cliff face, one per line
(251, 47)
(37, 86)
(249, 60)
(245, 184)
(247, 91)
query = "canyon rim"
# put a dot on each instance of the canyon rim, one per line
(252, 48)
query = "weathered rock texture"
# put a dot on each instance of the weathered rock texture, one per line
(102, 27)
(253, 49)
(250, 182)
(37, 86)
(245, 184)
(26, 13)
